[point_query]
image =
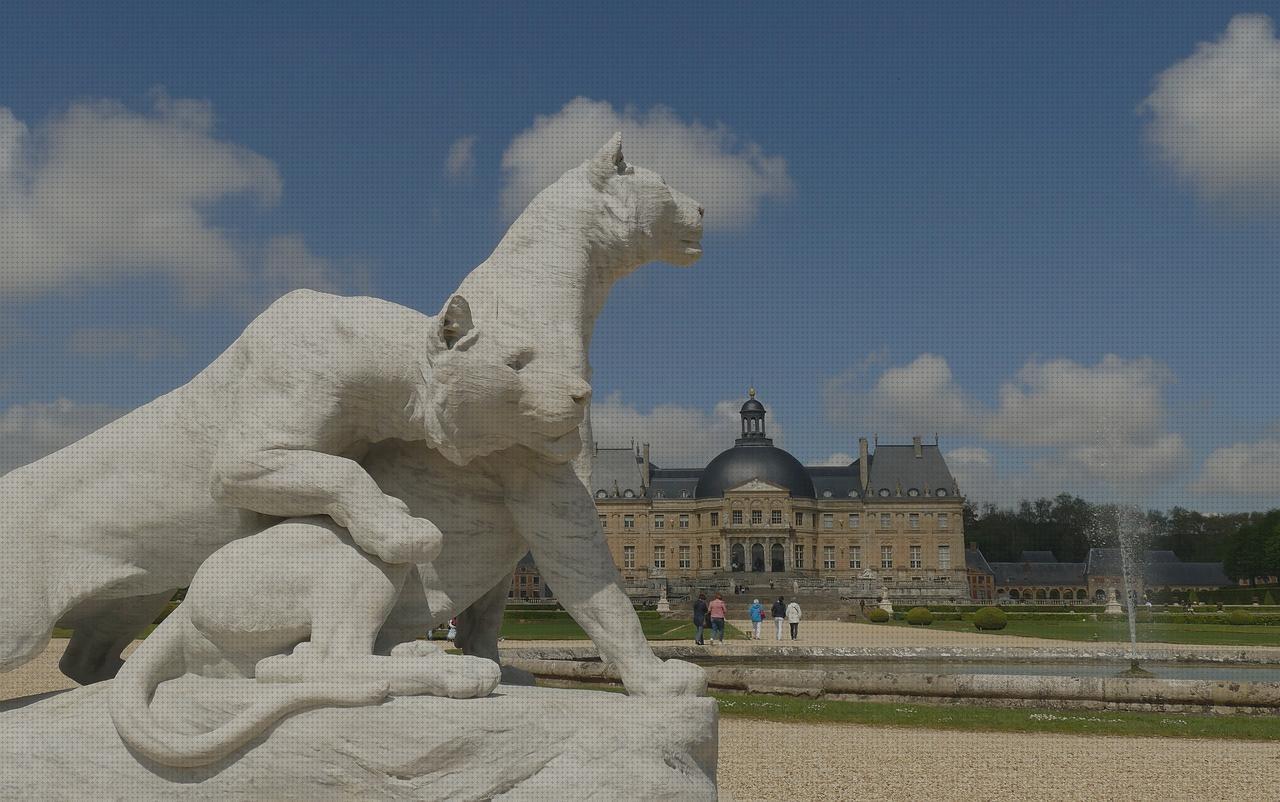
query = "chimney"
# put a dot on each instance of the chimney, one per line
(644, 464)
(915, 442)
(864, 466)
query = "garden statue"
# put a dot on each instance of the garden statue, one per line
(417, 459)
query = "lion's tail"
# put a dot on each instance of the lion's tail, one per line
(161, 657)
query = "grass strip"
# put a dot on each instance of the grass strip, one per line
(970, 718)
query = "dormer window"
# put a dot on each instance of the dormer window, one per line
(913, 492)
(884, 492)
(627, 494)
(601, 494)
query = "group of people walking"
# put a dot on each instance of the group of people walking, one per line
(713, 614)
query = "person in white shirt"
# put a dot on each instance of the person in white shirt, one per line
(793, 618)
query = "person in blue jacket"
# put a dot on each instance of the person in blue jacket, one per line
(756, 611)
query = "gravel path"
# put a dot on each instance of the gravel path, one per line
(761, 760)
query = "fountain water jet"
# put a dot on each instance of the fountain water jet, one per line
(1129, 529)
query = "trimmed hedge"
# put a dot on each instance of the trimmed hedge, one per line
(877, 615)
(1239, 618)
(919, 617)
(990, 618)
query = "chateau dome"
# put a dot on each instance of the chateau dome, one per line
(754, 456)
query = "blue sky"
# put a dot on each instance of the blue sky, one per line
(1047, 233)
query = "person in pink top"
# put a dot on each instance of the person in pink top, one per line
(716, 611)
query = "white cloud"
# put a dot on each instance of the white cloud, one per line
(30, 431)
(1214, 117)
(100, 191)
(1064, 402)
(975, 473)
(1081, 424)
(915, 398)
(729, 176)
(461, 161)
(1242, 469)
(143, 344)
(678, 437)
(288, 265)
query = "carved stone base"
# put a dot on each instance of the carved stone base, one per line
(519, 743)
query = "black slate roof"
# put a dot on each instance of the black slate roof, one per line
(1054, 573)
(897, 469)
(1038, 557)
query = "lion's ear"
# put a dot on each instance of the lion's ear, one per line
(608, 162)
(455, 321)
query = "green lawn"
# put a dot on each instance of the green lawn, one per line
(983, 719)
(1213, 634)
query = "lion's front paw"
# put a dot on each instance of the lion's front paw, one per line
(669, 678)
(395, 536)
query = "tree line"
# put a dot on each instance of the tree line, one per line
(1247, 543)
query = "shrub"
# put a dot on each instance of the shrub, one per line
(919, 617)
(1268, 599)
(877, 615)
(1193, 597)
(1239, 618)
(991, 618)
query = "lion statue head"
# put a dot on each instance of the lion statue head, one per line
(485, 391)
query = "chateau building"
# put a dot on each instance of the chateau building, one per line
(892, 518)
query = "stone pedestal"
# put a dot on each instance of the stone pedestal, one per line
(1113, 603)
(519, 743)
(664, 605)
(885, 604)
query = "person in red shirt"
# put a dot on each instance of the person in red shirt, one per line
(716, 610)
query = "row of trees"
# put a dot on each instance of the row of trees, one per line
(1248, 544)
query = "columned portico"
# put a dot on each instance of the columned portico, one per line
(759, 553)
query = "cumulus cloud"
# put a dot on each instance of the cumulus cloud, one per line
(101, 191)
(1063, 401)
(461, 160)
(1105, 422)
(975, 472)
(678, 437)
(31, 431)
(1242, 469)
(730, 176)
(143, 344)
(1214, 117)
(918, 397)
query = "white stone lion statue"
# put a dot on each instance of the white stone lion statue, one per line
(353, 409)
(490, 511)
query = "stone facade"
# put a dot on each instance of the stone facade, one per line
(891, 528)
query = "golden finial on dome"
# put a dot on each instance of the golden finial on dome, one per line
(751, 392)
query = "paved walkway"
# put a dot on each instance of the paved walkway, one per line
(880, 636)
